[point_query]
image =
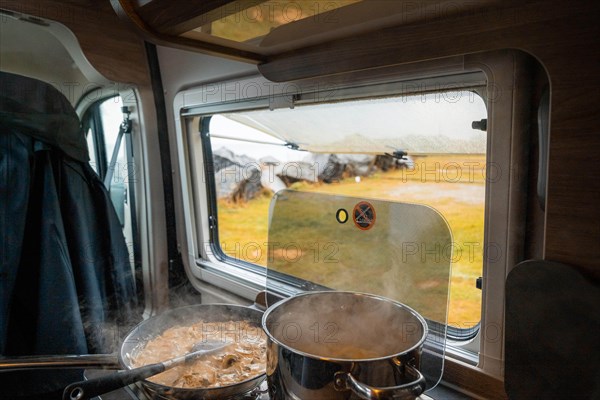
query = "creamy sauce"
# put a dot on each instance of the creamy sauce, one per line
(243, 358)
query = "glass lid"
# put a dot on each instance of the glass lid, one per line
(396, 250)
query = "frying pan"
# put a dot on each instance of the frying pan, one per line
(186, 316)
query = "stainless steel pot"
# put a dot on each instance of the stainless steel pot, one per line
(343, 345)
(184, 316)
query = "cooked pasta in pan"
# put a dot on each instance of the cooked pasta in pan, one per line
(243, 358)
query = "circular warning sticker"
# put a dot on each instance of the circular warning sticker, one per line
(364, 215)
(341, 216)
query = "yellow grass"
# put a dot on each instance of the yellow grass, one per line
(455, 186)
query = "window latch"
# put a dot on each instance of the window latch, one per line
(480, 125)
(126, 124)
(479, 283)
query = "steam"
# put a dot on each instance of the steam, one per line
(231, 317)
(344, 325)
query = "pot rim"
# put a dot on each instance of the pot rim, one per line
(415, 314)
(171, 389)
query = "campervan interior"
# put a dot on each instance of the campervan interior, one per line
(423, 173)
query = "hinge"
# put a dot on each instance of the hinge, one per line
(277, 102)
(212, 222)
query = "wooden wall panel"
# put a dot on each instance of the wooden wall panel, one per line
(565, 39)
(183, 17)
(111, 46)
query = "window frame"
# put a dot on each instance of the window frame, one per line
(204, 112)
(501, 72)
(91, 118)
(203, 129)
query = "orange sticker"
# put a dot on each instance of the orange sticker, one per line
(364, 215)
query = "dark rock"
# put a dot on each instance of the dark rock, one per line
(248, 188)
(235, 174)
(334, 167)
(387, 163)
(297, 171)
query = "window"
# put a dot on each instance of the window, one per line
(420, 149)
(103, 120)
(111, 156)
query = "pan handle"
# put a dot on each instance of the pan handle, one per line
(101, 361)
(85, 390)
(411, 390)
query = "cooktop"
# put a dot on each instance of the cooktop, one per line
(137, 392)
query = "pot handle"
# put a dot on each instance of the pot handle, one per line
(345, 381)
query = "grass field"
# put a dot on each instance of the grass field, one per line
(454, 186)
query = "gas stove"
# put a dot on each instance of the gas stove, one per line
(138, 392)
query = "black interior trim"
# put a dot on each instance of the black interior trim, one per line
(177, 276)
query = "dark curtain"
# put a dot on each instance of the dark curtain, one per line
(66, 285)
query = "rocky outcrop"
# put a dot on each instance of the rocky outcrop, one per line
(386, 163)
(335, 167)
(224, 158)
(242, 178)
(249, 188)
(236, 176)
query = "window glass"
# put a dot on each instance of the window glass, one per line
(105, 119)
(424, 124)
(418, 149)
(111, 117)
(92, 149)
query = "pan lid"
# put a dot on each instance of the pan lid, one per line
(400, 251)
